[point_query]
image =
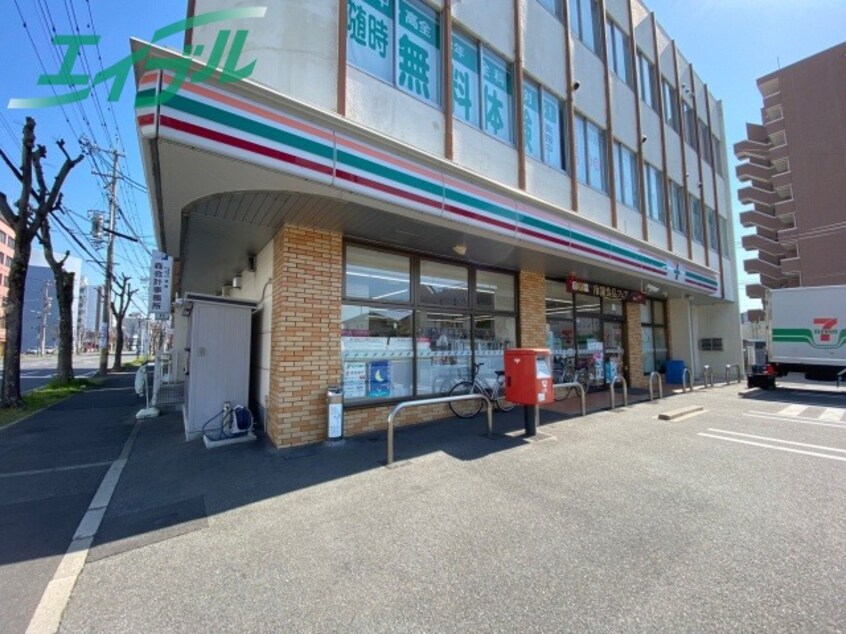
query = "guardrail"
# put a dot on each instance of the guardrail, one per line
(433, 401)
(655, 375)
(729, 366)
(707, 376)
(840, 376)
(619, 379)
(581, 390)
(689, 381)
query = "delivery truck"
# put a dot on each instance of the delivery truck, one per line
(807, 333)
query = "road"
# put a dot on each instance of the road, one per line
(37, 371)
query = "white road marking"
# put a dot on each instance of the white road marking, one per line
(793, 410)
(90, 465)
(48, 615)
(785, 442)
(776, 447)
(833, 414)
(800, 421)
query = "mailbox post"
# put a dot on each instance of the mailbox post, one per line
(528, 381)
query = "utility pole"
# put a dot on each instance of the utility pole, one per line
(110, 256)
(42, 327)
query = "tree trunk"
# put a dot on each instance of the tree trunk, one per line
(118, 364)
(11, 389)
(64, 296)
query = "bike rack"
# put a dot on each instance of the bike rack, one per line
(729, 366)
(840, 376)
(581, 390)
(619, 378)
(433, 401)
(707, 373)
(655, 375)
(689, 382)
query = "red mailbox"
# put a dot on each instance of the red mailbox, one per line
(528, 376)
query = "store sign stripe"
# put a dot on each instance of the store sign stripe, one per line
(242, 144)
(232, 120)
(465, 213)
(701, 278)
(480, 204)
(700, 285)
(389, 173)
(387, 189)
(146, 119)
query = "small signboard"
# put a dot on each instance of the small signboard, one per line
(161, 271)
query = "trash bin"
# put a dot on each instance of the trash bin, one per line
(675, 371)
(335, 418)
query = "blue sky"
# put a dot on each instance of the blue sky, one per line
(730, 43)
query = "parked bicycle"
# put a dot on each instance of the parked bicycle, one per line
(495, 392)
(563, 372)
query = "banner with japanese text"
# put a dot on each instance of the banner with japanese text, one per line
(531, 119)
(465, 80)
(419, 53)
(370, 36)
(161, 271)
(551, 131)
(497, 87)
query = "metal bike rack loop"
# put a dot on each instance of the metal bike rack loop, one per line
(707, 376)
(840, 376)
(619, 379)
(581, 390)
(655, 375)
(729, 366)
(434, 401)
(689, 381)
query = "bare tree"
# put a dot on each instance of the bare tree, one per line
(36, 202)
(64, 294)
(119, 311)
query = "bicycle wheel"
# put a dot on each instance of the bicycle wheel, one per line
(468, 408)
(500, 402)
(583, 377)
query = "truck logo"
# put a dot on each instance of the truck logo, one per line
(826, 328)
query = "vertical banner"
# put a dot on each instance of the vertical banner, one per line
(531, 120)
(370, 36)
(551, 131)
(161, 271)
(419, 53)
(465, 80)
(497, 87)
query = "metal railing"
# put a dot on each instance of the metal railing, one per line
(433, 401)
(707, 376)
(619, 378)
(581, 390)
(689, 381)
(729, 366)
(840, 377)
(655, 375)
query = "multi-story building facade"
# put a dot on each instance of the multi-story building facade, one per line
(40, 309)
(7, 250)
(419, 185)
(794, 164)
(90, 312)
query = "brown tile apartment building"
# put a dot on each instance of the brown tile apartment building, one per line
(795, 167)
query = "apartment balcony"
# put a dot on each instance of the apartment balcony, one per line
(757, 242)
(760, 219)
(779, 152)
(775, 126)
(756, 291)
(791, 267)
(782, 179)
(754, 172)
(751, 195)
(764, 269)
(785, 210)
(772, 99)
(788, 235)
(752, 149)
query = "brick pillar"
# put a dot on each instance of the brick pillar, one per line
(532, 310)
(305, 344)
(634, 346)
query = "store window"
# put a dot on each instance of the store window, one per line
(696, 219)
(414, 326)
(654, 335)
(653, 182)
(553, 6)
(625, 169)
(724, 238)
(584, 23)
(591, 154)
(398, 41)
(619, 52)
(689, 123)
(711, 216)
(671, 105)
(677, 208)
(543, 125)
(648, 81)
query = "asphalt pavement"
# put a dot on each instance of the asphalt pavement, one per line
(37, 371)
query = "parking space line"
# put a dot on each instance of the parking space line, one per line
(793, 410)
(833, 414)
(800, 421)
(776, 447)
(785, 442)
(73, 467)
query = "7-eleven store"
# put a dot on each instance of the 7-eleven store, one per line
(380, 266)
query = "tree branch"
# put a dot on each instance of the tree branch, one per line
(41, 192)
(50, 204)
(8, 214)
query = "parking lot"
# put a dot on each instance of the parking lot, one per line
(731, 519)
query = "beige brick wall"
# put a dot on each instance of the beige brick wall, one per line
(371, 419)
(305, 346)
(532, 289)
(634, 346)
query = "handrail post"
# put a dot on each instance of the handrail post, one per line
(622, 381)
(655, 375)
(689, 382)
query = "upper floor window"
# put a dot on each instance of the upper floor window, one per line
(705, 142)
(543, 125)
(625, 168)
(553, 6)
(619, 52)
(2, 238)
(584, 22)
(724, 243)
(591, 154)
(689, 122)
(482, 88)
(677, 209)
(671, 105)
(711, 215)
(654, 189)
(398, 41)
(718, 155)
(696, 219)
(648, 82)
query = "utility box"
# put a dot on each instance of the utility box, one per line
(528, 376)
(217, 358)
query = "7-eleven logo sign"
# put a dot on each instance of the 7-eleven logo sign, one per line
(826, 328)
